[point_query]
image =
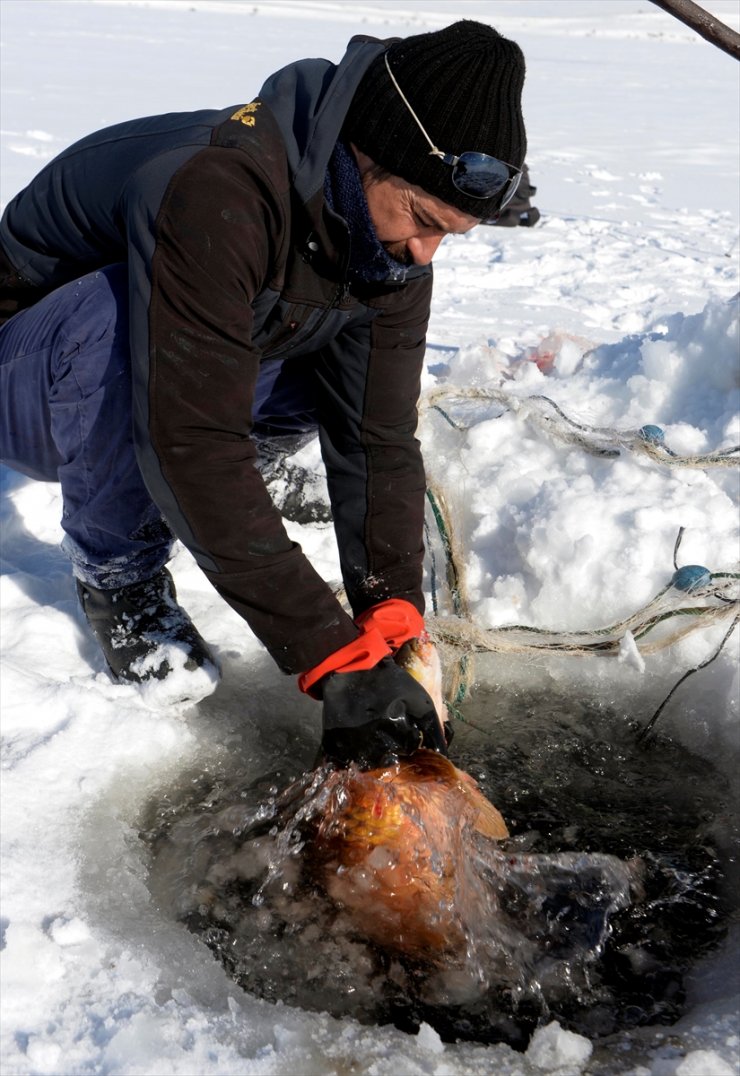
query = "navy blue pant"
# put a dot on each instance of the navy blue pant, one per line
(65, 415)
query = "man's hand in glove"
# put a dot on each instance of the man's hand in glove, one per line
(373, 714)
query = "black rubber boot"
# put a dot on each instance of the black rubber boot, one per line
(142, 631)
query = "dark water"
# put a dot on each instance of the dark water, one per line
(613, 883)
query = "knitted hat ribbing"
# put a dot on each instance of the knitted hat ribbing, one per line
(465, 85)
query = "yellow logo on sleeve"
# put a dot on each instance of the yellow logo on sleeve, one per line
(245, 114)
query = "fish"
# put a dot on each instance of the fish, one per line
(420, 658)
(393, 839)
(391, 851)
(417, 861)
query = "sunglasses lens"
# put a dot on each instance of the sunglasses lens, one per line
(511, 191)
(481, 176)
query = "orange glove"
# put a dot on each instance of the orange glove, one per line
(385, 627)
(396, 619)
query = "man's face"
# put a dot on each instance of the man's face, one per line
(409, 222)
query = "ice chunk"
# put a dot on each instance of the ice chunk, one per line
(552, 1048)
(429, 1040)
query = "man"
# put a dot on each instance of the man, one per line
(182, 289)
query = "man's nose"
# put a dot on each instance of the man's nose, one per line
(422, 250)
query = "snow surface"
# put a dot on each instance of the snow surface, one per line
(623, 293)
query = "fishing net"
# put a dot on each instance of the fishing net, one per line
(693, 598)
(549, 417)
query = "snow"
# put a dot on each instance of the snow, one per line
(552, 1048)
(618, 307)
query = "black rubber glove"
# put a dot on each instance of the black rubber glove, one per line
(374, 715)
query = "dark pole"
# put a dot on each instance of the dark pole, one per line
(724, 37)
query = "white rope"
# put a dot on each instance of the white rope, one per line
(604, 441)
(672, 615)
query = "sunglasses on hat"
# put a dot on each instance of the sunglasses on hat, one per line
(476, 174)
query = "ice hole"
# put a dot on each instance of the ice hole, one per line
(615, 883)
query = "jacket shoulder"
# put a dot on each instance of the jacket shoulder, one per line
(252, 129)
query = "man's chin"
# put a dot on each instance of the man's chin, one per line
(400, 252)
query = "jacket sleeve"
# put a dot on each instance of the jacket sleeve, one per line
(194, 271)
(369, 382)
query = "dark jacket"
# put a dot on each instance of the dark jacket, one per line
(233, 257)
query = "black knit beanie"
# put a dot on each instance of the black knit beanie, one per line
(465, 85)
